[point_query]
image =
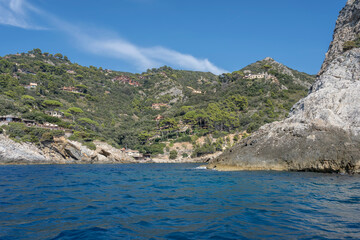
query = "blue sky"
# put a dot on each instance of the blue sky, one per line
(204, 35)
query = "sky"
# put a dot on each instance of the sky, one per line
(204, 35)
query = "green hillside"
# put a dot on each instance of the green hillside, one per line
(141, 111)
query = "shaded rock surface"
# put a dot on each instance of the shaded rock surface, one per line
(322, 132)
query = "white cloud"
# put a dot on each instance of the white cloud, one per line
(15, 13)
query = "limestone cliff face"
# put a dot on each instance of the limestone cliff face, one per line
(323, 130)
(60, 151)
(347, 28)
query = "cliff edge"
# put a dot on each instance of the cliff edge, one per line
(322, 132)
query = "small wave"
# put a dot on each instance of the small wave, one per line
(201, 168)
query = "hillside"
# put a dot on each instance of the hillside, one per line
(150, 111)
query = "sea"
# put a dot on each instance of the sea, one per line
(175, 201)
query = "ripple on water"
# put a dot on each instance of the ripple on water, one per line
(174, 201)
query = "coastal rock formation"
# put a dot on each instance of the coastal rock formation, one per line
(60, 151)
(16, 153)
(322, 132)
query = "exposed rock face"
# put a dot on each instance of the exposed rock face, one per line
(347, 28)
(61, 151)
(323, 130)
(12, 152)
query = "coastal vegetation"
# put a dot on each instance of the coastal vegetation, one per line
(147, 111)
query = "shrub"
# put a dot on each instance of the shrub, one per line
(90, 145)
(173, 154)
(236, 138)
(185, 155)
(349, 45)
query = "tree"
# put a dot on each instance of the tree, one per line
(88, 123)
(82, 88)
(74, 111)
(52, 104)
(58, 55)
(28, 100)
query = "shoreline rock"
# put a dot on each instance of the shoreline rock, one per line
(322, 133)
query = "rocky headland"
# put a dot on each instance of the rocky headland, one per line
(322, 132)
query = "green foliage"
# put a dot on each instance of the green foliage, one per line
(88, 123)
(206, 148)
(154, 149)
(48, 136)
(27, 98)
(352, 44)
(90, 145)
(75, 110)
(185, 155)
(52, 103)
(229, 103)
(20, 132)
(236, 138)
(173, 154)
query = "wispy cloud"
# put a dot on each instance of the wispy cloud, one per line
(16, 13)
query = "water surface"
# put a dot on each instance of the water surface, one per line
(174, 201)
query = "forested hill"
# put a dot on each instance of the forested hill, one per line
(144, 111)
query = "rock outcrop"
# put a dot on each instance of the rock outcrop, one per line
(59, 151)
(322, 132)
(17, 153)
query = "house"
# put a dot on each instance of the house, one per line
(255, 76)
(158, 106)
(10, 118)
(70, 89)
(50, 125)
(55, 114)
(71, 72)
(133, 153)
(31, 86)
(29, 123)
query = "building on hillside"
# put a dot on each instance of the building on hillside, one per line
(71, 89)
(31, 86)
(71, 72)
(29, 123)
(255, 76)
(10, 118)
(133, 153)
(50, 125)
(57, 114)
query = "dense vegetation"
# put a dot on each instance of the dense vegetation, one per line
(142, 111)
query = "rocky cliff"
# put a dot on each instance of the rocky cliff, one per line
(60, 151)
(322, 132)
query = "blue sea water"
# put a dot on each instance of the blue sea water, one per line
(174, 201)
